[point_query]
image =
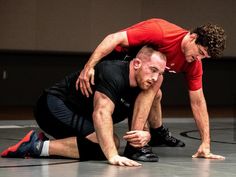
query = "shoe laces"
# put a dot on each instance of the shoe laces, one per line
(146, 149)
(167, 135)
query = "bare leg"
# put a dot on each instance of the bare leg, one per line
(143, 105)
(159, 133)
(145, 113)
(155, 115)
(67, 147)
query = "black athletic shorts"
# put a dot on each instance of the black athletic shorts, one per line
(60, 121)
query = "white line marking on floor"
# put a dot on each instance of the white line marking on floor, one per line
(16, 126)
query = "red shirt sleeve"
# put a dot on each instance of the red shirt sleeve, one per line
(193, 76)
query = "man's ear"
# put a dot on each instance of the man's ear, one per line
(137, 63)
(193, 36)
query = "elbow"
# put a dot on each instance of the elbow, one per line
(97, 119)
(110, 37)
(118, 38)
(198, 103)
(99, 116)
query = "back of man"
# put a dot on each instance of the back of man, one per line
(111, 78)
(165, 37)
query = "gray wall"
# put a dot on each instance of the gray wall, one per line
(79, 25)
(65, 28)
(28, 73)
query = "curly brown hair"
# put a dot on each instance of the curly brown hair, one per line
(212, 37)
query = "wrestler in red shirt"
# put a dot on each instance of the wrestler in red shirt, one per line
(165, 37)
(184, 51)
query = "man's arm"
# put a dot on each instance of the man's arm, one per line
(103, 49)
(200, 113)
(102, 118)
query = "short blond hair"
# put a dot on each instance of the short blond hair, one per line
(146, 52)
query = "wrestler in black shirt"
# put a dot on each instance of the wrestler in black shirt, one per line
(79, 123)
(111, 79)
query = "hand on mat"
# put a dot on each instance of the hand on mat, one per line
(86, 76)
(204, 152)
(123, 161)
(137, 138)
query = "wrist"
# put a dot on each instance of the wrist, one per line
(206, 141)
(111, 158)
(89, 65)
(112, 153)
(206, 144)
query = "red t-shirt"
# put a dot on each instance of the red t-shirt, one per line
(166, 38)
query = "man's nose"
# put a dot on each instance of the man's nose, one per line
(155, 77)
(199, 57)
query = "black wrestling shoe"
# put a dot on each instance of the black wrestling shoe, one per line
(162, 136)
(143, 154)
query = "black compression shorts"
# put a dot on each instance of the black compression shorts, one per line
(58, 120)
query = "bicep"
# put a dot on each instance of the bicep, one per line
(119, 38)
(103, 103)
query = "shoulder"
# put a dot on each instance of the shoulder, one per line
(112, 70)
(159, 22)
(112, 75)
(112, 78)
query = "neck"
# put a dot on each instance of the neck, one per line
(183, 43)
(132, 80)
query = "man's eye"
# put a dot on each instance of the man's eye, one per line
(154, 70)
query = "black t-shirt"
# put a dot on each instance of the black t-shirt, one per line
(111, 79)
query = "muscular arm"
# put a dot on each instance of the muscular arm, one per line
(199, 108)
(103, 49)
(107, 46)
(102, 118)
(103, 109)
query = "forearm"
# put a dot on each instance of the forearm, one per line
(107, 46)
(201, 117)
(104, 130)
(199, 108)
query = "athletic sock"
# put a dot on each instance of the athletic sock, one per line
(45, 149)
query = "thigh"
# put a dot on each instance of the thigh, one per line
(60, 121)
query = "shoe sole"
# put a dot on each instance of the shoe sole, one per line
(147, 159)
(13, 149)
(166, 145)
